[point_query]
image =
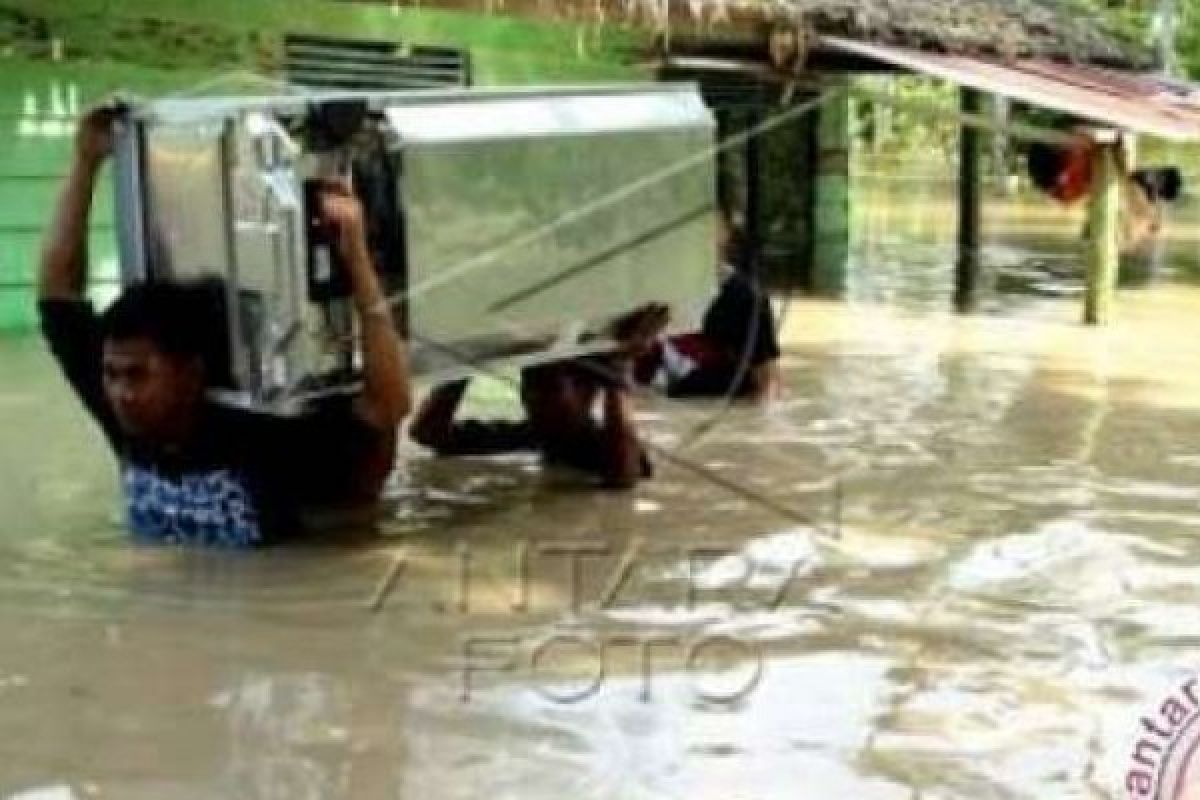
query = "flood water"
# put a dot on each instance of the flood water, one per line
(959, 560)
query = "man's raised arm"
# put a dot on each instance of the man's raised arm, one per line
(64, 267)
(387, 395)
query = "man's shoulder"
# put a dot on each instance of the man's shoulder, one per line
(739, 300)
(66, 316)
(53, 304)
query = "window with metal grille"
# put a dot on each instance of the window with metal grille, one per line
(356, 64)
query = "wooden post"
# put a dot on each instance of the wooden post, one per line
(831, 235)
(753, 223)
(970, 207)
(1103, 258)
(810, 146)
(1005, 180)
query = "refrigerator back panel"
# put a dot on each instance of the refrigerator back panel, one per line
(550, 210)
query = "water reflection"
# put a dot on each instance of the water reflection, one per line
(1015, 580)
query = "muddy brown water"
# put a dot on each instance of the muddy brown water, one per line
(959, 560)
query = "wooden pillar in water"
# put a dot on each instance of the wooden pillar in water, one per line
(1103, 256)
(831, 224)
(753, 227)
(970, 207)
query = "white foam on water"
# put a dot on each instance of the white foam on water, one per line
(45, 793)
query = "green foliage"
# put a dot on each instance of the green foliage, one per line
(1187, 40)
(1131, 19)
(906, 118)
(1140, 21)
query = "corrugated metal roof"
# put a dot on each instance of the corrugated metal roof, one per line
(1140, 103)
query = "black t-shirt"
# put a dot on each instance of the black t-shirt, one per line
(742, 320)
(741, 326)
(245, 477)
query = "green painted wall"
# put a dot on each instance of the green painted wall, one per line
(225, 34)
(153, 48)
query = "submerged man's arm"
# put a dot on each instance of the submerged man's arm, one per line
(64, 266)
(624, 461)
(386, 398)
(433, 426)
(436, 427)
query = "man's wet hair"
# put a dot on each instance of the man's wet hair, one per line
(184, 321)
(1170, 185)
(1160, 183)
